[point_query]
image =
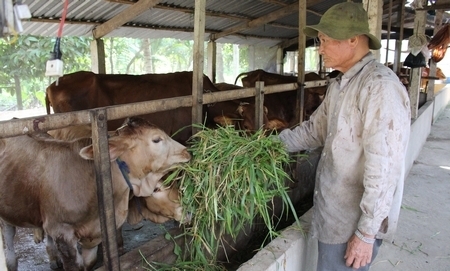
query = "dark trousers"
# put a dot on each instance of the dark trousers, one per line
(331, 257)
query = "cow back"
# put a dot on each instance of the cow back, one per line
(282, 105)
(86, 90)
(42, 174)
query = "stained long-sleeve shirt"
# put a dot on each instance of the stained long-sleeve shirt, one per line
(363, 126)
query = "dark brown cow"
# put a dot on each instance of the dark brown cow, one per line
(241, 113)
(85, 90)
(282, 105)
(51, 184)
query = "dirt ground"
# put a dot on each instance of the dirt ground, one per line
(33, 257)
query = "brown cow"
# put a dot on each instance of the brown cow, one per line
(282, 105)
(85, 90)
(242, 113)
(162, 205)
(51, 184)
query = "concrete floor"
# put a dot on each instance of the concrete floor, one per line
(422, 241)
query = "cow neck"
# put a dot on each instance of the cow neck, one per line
(125, 171)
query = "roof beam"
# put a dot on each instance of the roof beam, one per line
(208, 13)
(127, 15)
(260, 21)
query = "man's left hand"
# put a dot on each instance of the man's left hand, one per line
(358, 253)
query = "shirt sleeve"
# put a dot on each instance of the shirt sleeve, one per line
(386, 118)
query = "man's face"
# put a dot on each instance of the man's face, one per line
(337, 54)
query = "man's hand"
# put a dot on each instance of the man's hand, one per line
(358, 253)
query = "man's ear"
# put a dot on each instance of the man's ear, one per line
(353, 41)
(359, 39)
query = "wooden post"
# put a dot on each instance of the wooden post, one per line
(98, 56)
(301, 61)
(398, 43)
(197, 80)
(212, 60)
(431, 83)
(251, 58)
(259, 104)
(416, 73)
(104, 189)
(388, 38)
(280, 60)
(375, 13)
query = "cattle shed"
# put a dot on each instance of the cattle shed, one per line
(271, 23)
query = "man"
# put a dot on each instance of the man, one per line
(363, 126)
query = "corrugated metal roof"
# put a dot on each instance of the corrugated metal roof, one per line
(175, 19)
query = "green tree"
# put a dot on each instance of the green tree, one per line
(23, 61)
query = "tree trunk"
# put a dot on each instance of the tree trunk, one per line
(111, 48)
(18, 92)
(219, 63)
(148, 63)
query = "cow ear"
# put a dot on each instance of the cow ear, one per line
(240, 109)
(116, 148)
(266, 110)
(224, 120)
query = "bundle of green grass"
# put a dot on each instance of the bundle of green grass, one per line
(229, 182)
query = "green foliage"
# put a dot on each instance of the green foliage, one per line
(25, 58)
(230, 181)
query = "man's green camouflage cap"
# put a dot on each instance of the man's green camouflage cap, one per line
(344, 21)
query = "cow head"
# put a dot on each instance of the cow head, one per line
(244, 119)
(144, 147)
(146, 152)
(163, 204)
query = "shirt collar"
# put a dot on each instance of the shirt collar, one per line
(346, 77)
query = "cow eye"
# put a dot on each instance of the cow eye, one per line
(157, 189)
(157, 140)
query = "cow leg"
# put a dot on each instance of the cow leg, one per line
(119, 238)
(71, 258)
(52, 251)
(9, 232)
(89, 257)
(38, 235)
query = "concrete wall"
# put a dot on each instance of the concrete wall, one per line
(295, 250)
(441, 100)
